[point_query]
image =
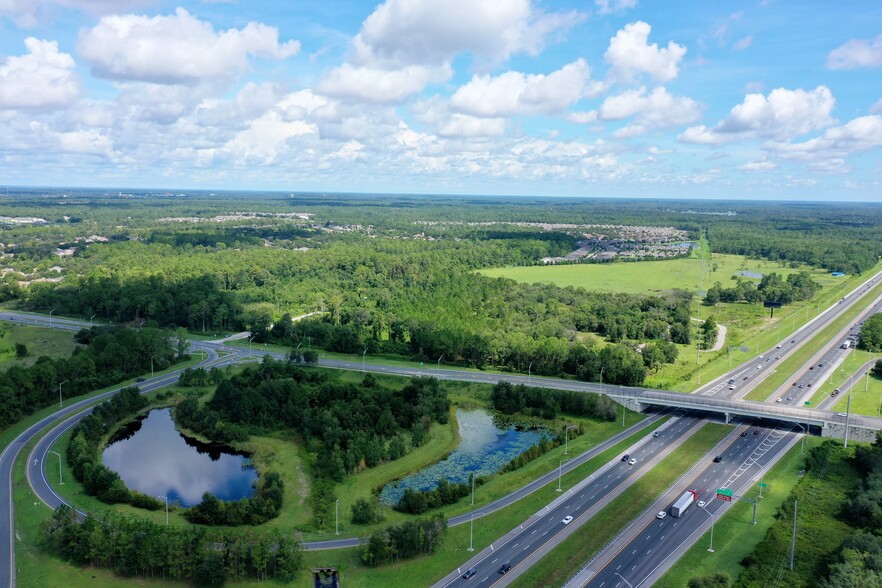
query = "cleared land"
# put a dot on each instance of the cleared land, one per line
(39, 341)
(651, 276)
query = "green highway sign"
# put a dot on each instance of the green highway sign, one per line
(807, 403)
(724, 491)
(762, 484)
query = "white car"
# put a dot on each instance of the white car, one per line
(661, 514)
(632, 461)
(567, 520)
(701, 504)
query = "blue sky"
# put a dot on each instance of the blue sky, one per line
(769, 99)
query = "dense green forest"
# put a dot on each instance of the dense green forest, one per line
(136, 547)
(112, 355)
(396, 275)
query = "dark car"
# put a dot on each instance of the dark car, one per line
(744, 433)
(504, 568)
(718, 459)
(469, 573)
(626, 457)
(140, 380)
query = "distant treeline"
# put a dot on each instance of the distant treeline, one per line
(772, 287)
(546, 403)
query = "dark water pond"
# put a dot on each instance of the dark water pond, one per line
(484, 449)
(152, 457)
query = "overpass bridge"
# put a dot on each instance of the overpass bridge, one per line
(831, 424)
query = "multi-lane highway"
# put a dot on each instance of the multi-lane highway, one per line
(750, 449)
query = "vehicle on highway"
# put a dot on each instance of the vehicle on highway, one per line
(567, 520)
(469, 573)
(744, 433)
(846, 345)
(626, 457)
(700, 504)
(504, 568)
(661, 514)
(840, 414)
(632, 461)
(140, 380)
(778, 400)
(682, 503)
(789, 398)
(656, 434)
(731, 387)
(718, 459)
(731, 380)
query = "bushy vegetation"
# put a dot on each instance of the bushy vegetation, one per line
(84, 450)
(403, 541)
(871, 334)
(418, 502)
(366, 512)
(772, 287)
(113, 355)
(546, 403)
(135, 547)
(263, 506)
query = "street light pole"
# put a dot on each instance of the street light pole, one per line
(60, 479)
(90, 319)
(623, 579)
(567, 439)
(362, 358)
(337, 517)
(710, 549)
(601, 379)
(60, 401)
(438, 371)
(249, 346)
(559, 472)
(50, 317)
(166, 508)
(471, 532)
(151, 365)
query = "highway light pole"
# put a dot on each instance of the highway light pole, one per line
(567, 441)
(559, 472)
(60, 479)
(90, 319)
(337, 517)
(624, 580)
(60, 401)
(601, 379)
(847, 419)
(166, 508)
(710, 548)
(249, 346)
(152, 357)
(801, 449)
(50, 317)
(438, 370)
(471, 532)
(362, 358)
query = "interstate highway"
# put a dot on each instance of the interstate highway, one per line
(658, 539)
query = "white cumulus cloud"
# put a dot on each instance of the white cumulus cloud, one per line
(43, 78)
(401, 32)
(758, 166)
(857, 53)
(859, 134)
(783, 114)
(176, 49)
(611, 6)
(513, 92)
(371, 84)
(629, 54)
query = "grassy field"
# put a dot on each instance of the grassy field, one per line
(39, 341)
(734, 536)
(650, 276)
(568, 557)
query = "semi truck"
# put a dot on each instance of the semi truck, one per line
(679, 507)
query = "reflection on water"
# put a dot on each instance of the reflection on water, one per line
(152, 457)
(484, 449)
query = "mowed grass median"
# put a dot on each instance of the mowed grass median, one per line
(568, 557)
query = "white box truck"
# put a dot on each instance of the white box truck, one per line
(679, 507)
